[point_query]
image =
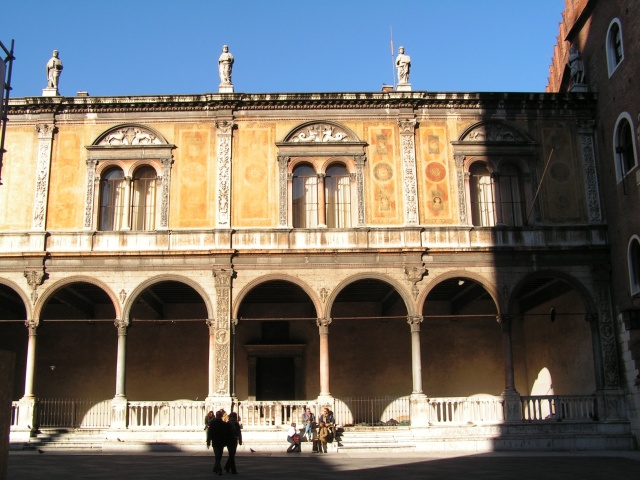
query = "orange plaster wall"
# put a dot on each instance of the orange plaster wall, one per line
(255, 176)
(67, 182)
(384, 197)
(18, 178)
(436, 175)
(193, 178)
(564, 198)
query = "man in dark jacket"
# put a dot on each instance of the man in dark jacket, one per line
(219, 433)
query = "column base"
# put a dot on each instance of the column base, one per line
(511, 406)
(119, 406)
(419, 410)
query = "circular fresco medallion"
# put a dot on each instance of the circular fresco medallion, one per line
(383, 172)
(436, 171)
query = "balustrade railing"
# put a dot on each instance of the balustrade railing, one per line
(559, 407)
(189, 415)
(75, 413)
(175, 414)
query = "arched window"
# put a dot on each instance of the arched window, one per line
(615, 51)
(143, 199)
(511, 199)
(337, 196)
(634, 266)
(624, 147)
(112, 200)
(482, 196)
(305, 197)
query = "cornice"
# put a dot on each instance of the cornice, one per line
(213, 104)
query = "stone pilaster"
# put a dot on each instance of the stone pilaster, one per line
(462, 189)
(90, 193)
(165, 186)
(594, 209)
(43, 169)
(409, 177)
(220, 338)
(360, 161)
(225, 134)
(283, 190)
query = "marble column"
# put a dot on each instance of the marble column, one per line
(323, 326)
(119, 402)
(416, 356)
(27, 404)
(32, 326)
(322, 206)
(510, 395)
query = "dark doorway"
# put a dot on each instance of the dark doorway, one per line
(275, 378)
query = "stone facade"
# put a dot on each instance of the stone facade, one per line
(306, 247)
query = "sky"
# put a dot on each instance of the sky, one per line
(171, 47)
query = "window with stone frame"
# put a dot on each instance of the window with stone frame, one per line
(112, 199)
(337, 187)
(511, 199)
(143, 199)
(615, 50)
(482, 195)
(305, 197)
(634, 266)
(624, 147)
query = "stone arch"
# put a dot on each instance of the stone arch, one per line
(585, 295)
(56, 286)
(237, 302)
(481, 280)
(402, 291)
(494, 131)
(20, 292)
(135, 293)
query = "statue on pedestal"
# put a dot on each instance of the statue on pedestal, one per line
(403, 64)
(54, 68)
(576, 65)
(225, 65)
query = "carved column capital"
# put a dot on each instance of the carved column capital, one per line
(505, 321)
(46, 130)
(121, 325)
(225, 127)
(323, 325)
(407, 125)
(414, 322)
(32, 326)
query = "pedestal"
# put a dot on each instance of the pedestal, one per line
(50, 92)
(403, 87)
(579, 87)
(419, 410)
(225, 88)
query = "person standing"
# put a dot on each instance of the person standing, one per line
(323, 435)
(54, 68)
(219, 436)
(309, 420)
(235, 439)
(207, 420)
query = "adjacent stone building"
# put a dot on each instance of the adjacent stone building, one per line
(607, 33)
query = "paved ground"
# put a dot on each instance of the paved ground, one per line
(306, 466)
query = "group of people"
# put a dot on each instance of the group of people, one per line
(223, 431)
(320, 433)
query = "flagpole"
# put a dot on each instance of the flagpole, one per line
(393, 71)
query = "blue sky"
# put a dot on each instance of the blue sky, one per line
(148, 47)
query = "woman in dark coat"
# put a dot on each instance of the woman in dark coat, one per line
(235, 439)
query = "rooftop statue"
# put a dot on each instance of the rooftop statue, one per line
(403, 64)
(225, 65)
(54, 67)
(576, 65)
